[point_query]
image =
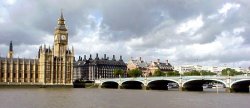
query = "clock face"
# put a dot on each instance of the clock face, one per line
(63, 37)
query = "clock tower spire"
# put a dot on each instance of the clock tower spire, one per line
(60, 37)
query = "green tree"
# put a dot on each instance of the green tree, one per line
(199, 73)
(159, 73)
(230, 72)
(118, 72)
(192, 73)
(134, 72)
(204, 73)
(173, 73)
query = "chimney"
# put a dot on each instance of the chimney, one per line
(90, 57)
(167, 61)
(105, 57)
(39, 51)
(113, 57)
(79, 59)
(140, 59)
(158, 60)
(85, 57)
(120, 58)
(97, 58)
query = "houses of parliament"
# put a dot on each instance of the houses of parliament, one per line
(53, 65)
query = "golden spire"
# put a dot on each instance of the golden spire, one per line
(61, 22)
(62, 14)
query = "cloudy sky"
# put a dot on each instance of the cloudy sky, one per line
(201, 32)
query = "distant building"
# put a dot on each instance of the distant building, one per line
(215, 69)
(138, 64)
(187, 68)
(96, 68)
(164, 67)
(148, 69)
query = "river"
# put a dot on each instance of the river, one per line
(118, 98)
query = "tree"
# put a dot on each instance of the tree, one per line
(173, 73)
(199, 73)
(207, 73)
(118, 72)
(192, 73)
(230, 72)
(159, 73)
(134, 72)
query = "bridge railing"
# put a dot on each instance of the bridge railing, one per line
(179, 77)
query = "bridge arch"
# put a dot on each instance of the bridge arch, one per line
(196, 84)
(240, 85)
(160, 84)
(132, 84)
(109, 84)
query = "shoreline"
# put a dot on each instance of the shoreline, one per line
(34, 86)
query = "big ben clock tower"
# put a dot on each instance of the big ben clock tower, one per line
(60, 38)
(56, 63)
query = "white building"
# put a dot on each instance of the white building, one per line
(216, 69)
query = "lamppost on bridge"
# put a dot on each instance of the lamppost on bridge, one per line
(228, 73)
(180, 84)
(180, 76)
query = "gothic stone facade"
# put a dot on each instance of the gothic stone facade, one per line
(54, 65)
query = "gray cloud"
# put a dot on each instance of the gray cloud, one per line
(130, 28)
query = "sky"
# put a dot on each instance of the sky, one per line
(198, 32)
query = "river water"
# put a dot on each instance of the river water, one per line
(118, 98)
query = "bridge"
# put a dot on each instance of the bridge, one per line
(185, 83)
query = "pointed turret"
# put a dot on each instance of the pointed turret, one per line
(73, 51)
(11, 46)
(10, 53)
(61, 23)
(62, 15)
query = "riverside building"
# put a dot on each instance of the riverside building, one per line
(54, 65)
(148, 69)
(138, 64)
(164, 67)
(96, 68)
